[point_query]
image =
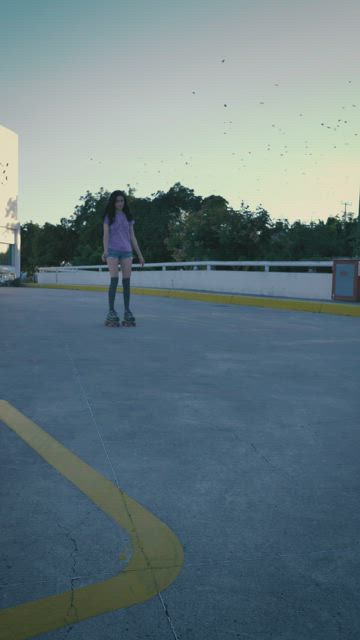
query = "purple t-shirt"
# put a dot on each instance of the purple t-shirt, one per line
(119, 232)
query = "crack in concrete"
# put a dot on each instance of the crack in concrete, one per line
(165, 607)
(133, 528)
(72, 611)
(150, 567)
(72, 608)
(274, 466)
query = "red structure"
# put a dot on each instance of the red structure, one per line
(346, 280)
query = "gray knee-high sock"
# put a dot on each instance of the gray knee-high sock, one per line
(126, 288)
(112, 292)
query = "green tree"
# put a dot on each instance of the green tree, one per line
(179, 226)
(29, 258)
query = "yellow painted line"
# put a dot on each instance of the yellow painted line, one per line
(157, 553)
(335, 308)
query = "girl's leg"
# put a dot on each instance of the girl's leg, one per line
(113, 264)
(126, 273)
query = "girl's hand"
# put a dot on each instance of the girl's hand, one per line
(141, 260)
(103, 257)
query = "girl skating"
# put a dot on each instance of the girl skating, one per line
(119, 239)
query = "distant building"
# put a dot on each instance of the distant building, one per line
(9, 224)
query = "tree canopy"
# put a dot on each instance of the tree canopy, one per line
(180, 226)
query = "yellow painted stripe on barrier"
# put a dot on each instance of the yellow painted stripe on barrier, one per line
(315, 306)
(157, 553)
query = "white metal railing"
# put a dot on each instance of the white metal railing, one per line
(307, 265)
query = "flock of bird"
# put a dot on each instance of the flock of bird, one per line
(284, 150)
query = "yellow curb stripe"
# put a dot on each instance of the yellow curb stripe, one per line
(341, 309)
(157, 553)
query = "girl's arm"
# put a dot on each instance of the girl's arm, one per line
(106, 238)
(135, 243)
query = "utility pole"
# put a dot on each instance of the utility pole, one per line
(357, 244)
(345, 203)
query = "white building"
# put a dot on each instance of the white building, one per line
(9, 225)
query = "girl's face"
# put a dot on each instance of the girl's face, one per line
(119, 203)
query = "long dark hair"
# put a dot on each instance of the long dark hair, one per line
(110, 207)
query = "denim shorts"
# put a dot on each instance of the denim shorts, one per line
(117, 253)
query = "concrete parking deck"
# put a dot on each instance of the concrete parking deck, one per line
(195, 477)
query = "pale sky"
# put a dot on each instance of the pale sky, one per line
(114, 81)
